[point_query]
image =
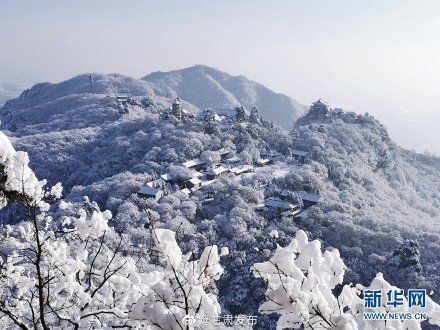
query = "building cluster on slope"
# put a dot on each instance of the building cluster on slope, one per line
(225, 118)
(290, 202)
(125, 101)
(201, 175)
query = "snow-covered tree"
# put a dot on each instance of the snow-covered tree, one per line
(180, 173)
(301, 284)
(58, 273)
(240, 114)
(65, 269)
(211, 158)
(71, 276)
(17, 181)
(184, 289)
(209, 121)
(255, 116)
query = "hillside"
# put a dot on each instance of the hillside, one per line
(206, 87)
(10, 89)
(380, 197)
(379, 203)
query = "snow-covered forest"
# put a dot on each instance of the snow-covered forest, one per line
(330, 201)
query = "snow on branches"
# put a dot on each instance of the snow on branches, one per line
(75, 275)
(17, 181)
(185, 287)
(300, 280)
(66, 277)
(63, 267)
(301, 283)
(67, 269)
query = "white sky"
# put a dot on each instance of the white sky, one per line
(376, 56)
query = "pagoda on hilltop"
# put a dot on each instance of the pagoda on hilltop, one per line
(177, 109)
(319, 107)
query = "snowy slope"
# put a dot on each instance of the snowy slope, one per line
(376, 196)
(207, 87)
(71, 130)
(10, 89)
(75, 103)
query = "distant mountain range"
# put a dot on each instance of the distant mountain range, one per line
(378, 200)
(206, 87)
(10, 89)
(200, 86)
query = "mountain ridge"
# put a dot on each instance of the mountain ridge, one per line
(231, 91)
(193, 84)
(375, 196)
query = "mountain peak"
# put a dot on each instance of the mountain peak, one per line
(200, 85)
(208, 87)
(91, 83)
(202, 67)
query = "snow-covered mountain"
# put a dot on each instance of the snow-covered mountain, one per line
(199, 87)
(11, 89)
(207, 87)
(86, 100)
(380, 203)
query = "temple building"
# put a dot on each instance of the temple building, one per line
(177, 109)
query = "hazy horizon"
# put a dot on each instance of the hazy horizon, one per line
(377, 57)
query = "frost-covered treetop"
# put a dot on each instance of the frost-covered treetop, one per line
(300, 279)
(70, 272)
(184, 287)
(17, 180)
